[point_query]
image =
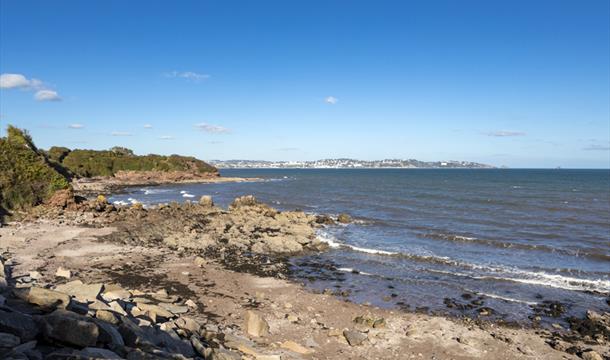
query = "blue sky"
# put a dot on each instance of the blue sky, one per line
(516, 83)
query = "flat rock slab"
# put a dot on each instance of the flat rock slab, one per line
(82, 292)
(354, 338)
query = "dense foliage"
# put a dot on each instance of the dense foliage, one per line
(27, 177)
(88, 163)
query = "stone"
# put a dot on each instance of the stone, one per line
(45, 298)
(267, 357)
(117, 308)
(99, 353)
(107, 316)
(191, 304)
(175, 309)
(18, 324)
(335, 332)
(25, 347)
(354, 338)
(115, 292)
(199, 261)
(133, 335)
(344, 219)
(591, 355)
(84, 293)
(64, 273)
(206, 201)
(188, 323)
(8, 340)
(69, 328)
(223, 354)
(156, 310)
(35, 275)
(108, 334)
(200, 348)
(294, 347)
(255, 324)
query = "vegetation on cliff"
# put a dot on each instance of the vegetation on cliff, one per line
(27, 176)
(89, 163)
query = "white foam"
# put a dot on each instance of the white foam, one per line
(133, 201)
(328, 239)
(120, 202)
(350, 270)
(183, 192)
(188, 195)
(370, 251)
(494, 296)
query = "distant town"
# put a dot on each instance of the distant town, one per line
(347, 164)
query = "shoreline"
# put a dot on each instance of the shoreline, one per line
(118, 246)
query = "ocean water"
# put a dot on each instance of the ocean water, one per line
(513, 239)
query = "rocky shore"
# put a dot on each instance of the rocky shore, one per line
(108, 184)
(85, 279)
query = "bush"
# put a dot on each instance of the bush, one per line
(27, 177)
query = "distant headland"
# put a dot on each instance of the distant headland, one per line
(348, 164)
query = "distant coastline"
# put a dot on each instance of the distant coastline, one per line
(348, 164)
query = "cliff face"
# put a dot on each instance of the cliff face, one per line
(27, 176)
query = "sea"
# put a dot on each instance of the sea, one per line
(516, 241)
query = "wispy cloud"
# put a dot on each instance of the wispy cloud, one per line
(187, 75)
(213, 129)
(505, 133)
(331, 100)
(42, 92)
(148, 126)
(166, 137)
(597, 147)
(121, 133)
(76, 126)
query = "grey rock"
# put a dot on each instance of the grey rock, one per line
(591, 355)
(354, 338)
(18, 324)
(255, 324)
(133, 335)
(108, 334)
(99, 353)
(175, 309)
(200, 348)
(8, 340)
(222, 354)
(69, 328)
(81, 292)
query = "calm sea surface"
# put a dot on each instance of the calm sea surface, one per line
(515, 238)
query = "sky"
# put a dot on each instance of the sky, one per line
(515, 83)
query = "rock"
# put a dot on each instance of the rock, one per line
(2, 300)
(206, 200)
(64, 273)
(175, 309)
(335, 332)
(255, 324)
(108, 334)
(99, 353)
(199, 261)
(267, 357)
(354, 338)
(8, 340)
(82, 292)
(69, 328)
(35, 275)
(324, 220)
(191, 304)
(591, 355)
(115, 292)
(344, 219)
(45, 298)
(18, 324)
(222, 354)
(156, 310)
(242, 201)
(188, 323)
(200, 348)
(117, 308)
(107, 316)
(133, 335)
(294, 347)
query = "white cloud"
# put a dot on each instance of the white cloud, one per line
(597, 147)
(12, 81)
(148, 126)
(19, 81)
(505, 133)
(166, 137)
(214, 129)
(47, 95)
(120, 133)
(331, 100)
(76, 126)
(188, 75)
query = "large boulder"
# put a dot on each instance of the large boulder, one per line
(82, 292)
(45, 298)
(18, 324)
(70, 328)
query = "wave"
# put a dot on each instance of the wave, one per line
(509, 245)
(488, 272)
(186, 195)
